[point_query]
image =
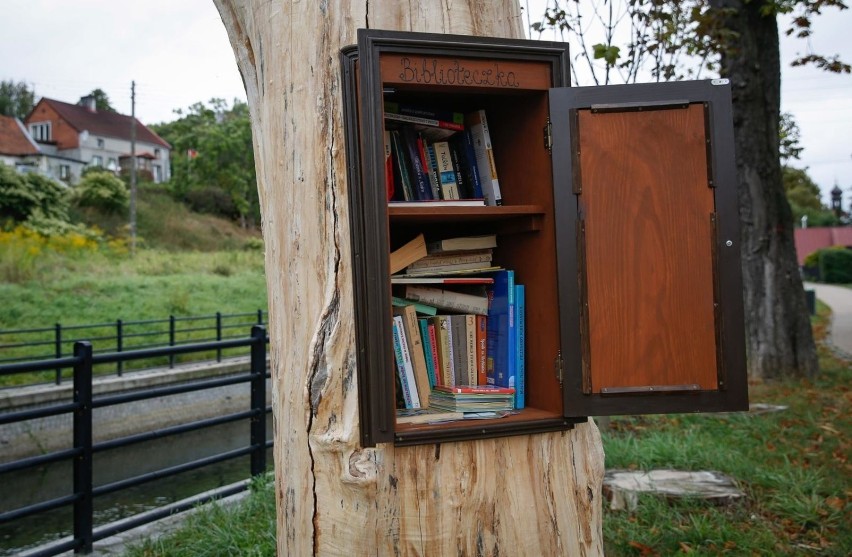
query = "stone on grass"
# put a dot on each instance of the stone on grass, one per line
(622, 487)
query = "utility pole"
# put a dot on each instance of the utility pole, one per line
(133, 168)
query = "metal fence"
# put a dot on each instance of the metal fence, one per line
(84, 450)
(20, 345)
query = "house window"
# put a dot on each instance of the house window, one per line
(64, 172)
(40, 131)
(112, 164)
(97, 160)
(157, 153)
(158, 173)
(100, 143)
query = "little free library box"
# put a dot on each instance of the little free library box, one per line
(610, 283)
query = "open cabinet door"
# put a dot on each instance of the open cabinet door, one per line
(648, 246)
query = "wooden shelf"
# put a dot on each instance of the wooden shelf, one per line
(523, 217)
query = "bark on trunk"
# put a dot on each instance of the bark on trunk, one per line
(525, 495)
(779, 339)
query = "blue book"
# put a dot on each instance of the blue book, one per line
(420, 183)
(465, 142)
(520, 345)
(427, 350)
(500, 345)
(400, 363)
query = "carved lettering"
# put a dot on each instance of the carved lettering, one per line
(439, 72)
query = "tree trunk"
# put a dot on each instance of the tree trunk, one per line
(778, 331)
(523, 495)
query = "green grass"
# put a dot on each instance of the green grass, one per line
(246, 529)
(794, 467)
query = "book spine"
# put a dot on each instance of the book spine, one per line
(388, 165)
(501, 328)
(520, 346)
(401, 166)
(422, 309)
(410, 381)
(470, 340)
(450, 353)
(418, 357)
(485, 158)
(427, 350)
(436, 362)
(431, 170)
(484, 256)
(446, 172)
(400, 362)
(419, 179)
(424, 121)
(473, 169)
(481, 352)
(447, 299)
(459, 349)
(442, 342)
(465, 192)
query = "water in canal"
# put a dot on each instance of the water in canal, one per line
(32, 486)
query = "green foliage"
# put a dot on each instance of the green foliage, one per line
(102, 103)
(16, 99)
(103, 192)
(24, 196)
(790, 137)
(835, 265)
(804, 198)
(213, 155)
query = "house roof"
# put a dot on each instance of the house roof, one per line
(14, 140)
(103, 123)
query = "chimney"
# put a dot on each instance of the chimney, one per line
(88, 101)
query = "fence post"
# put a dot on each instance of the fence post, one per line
(260, 317)
(218, 335)
(171, 339)
(82, 469)
(258, 400)
(119, 344)
(57, 339)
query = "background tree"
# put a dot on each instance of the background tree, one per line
(740, 38)
(334, 496)
(102, 103)
(16, 99)
(212, 159)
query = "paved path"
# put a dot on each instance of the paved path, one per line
(839, 299)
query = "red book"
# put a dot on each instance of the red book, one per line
(476, 389)
(481, 351)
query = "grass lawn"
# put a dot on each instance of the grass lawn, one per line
(794, 467)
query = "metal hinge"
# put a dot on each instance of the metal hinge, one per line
(557, 366)
(548, 136)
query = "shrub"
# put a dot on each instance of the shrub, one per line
(212, 200)
(103, 192)
(835, 265)
(22, 196)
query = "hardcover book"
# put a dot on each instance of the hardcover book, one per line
(416, 353)
(462, 243)
(501, 331)
(520, 346)
(446, 172)
(478, 125)
(403, 365)
(427, 349)
(409, 253)
(448, 299)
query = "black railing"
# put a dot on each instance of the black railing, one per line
(84, 449)
(24, 345)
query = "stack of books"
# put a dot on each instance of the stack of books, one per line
(456, 327)
(472, 398)
(439, 156)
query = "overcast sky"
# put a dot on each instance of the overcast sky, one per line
(178, 54)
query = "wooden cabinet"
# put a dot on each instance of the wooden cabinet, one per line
(619, 216)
